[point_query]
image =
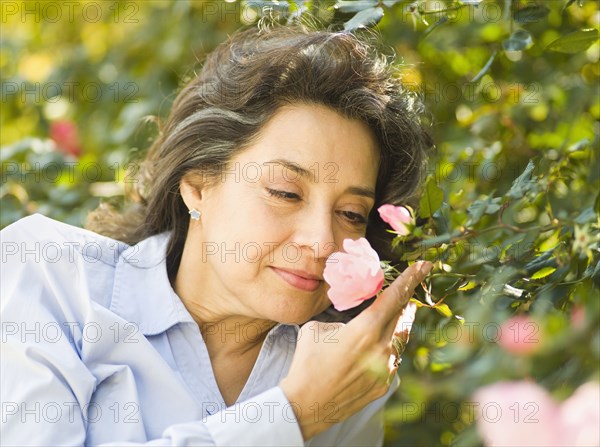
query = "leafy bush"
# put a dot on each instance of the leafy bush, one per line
(509, 213)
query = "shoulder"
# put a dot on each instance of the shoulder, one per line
(51, 264)
(38, 238)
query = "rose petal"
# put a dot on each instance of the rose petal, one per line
(353, 276)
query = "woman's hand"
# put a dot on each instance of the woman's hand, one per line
(334, 371)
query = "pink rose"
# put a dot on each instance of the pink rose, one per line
(353, 276)
(516, 414)
(66, 136)
(578, 317)
(580, 416)
(397, 217)
(524, 414)
(519, 335)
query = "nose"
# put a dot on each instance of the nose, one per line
(314, 232)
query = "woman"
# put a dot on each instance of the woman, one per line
(192, 319)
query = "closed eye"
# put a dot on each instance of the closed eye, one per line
(286, 195)
(354, 218)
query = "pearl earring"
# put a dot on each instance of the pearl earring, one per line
(195, 214)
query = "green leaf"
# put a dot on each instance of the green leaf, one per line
(579, 146)
(364, 19)
(542, 261)
(20, 147)
(597, 204)
(355, 5)
(596, 273)
(468, 286)
(518, 41)
(543, 272)
(586, 216)
(438, 240)
(566, 5)
(530, 13)
(574, 42)
(432, 198)
(417, 302)
(437, 367)
(591, 270)
(480, 207)
(443, 309)
(264, 5)
(522, 183)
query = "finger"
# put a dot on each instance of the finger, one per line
(405, 322)
(388, 307)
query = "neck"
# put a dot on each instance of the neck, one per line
(227, 326)
(234, 335)
(225, 331)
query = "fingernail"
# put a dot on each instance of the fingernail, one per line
(426, 267)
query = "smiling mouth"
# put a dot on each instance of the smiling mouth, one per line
(297, 281)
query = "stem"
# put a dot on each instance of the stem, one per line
(469, 233)
(451, 275)
(440, 11)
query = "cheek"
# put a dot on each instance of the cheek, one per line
(242, 248)
(259, 237)
(235, 217)
(264, 226)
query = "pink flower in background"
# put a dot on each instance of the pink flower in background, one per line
(578, 317)
(580, 416)
(353, 276)
(516, 414)
(519, 335)
(524, 414)
(66, 136)
(397, 217)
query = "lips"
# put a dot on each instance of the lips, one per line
(299, 279)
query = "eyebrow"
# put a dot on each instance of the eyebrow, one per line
(360, 191)
(292, 166)
(303, 172)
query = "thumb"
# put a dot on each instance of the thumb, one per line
(388, 306)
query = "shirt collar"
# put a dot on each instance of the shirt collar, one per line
(142, 292)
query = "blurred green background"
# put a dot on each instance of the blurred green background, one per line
(507, 83)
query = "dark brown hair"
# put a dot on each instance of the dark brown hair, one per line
(241, 86)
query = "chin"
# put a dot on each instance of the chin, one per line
(287, 318)
(289, 315)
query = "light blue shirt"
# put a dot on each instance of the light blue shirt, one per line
(97, 348)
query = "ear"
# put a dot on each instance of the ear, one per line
(191, 191)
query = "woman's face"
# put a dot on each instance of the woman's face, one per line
(280, 209)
